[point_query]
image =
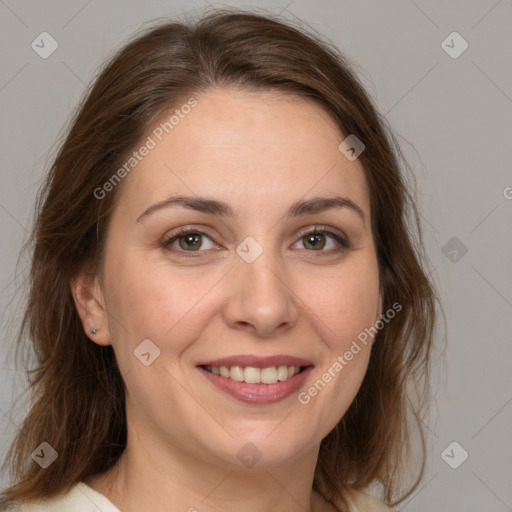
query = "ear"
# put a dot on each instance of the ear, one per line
(90, 305)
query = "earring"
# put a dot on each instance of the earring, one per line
(93, 330)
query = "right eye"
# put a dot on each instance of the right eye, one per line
(188, 240)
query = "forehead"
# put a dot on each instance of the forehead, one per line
(247, 148)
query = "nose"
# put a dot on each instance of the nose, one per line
(261, 298)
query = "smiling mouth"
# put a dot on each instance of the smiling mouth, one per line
(254, 375)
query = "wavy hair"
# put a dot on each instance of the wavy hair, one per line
(77, 393)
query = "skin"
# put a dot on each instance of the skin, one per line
(260, 152)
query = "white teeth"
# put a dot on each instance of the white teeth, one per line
(253, 375)
(282, 372)
(269, 375)
(237, 373)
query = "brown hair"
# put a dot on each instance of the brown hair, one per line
(77, 392)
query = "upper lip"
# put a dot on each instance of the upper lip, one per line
(257, 361)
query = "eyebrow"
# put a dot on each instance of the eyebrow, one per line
(223, 209)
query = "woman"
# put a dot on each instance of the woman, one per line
(226, 303)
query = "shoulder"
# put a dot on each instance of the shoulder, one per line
(79, 498)
(362, 502)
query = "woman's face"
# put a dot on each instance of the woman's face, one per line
(247, 289)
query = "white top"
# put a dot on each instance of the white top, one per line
(82, 498)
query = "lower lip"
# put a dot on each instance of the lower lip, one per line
(258, 393)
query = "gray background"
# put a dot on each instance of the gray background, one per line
(453, 116)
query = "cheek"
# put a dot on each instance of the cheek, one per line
(160, 302)
(347, 307)
(348, 302)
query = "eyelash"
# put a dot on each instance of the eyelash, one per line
(342, 241)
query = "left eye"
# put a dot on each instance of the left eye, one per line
(315, 238)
